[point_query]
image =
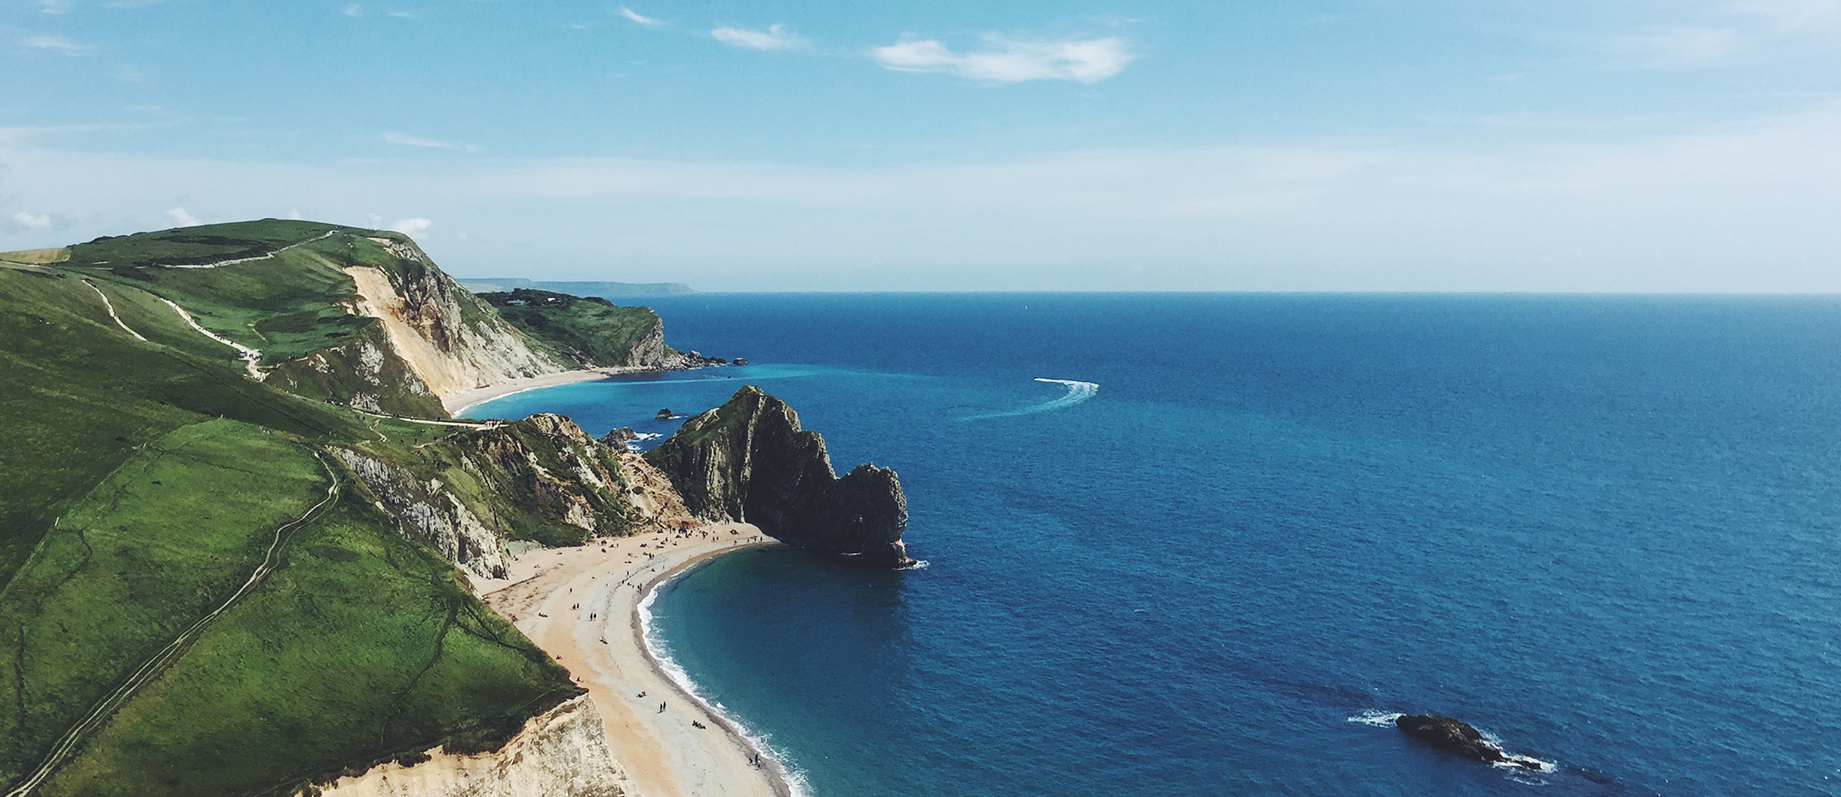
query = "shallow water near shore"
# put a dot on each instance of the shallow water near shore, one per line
(1606, 531)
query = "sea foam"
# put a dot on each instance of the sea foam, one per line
(648, 634)
(1078, 392)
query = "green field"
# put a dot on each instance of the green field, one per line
(141, 481)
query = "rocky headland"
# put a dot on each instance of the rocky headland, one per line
(749, 461)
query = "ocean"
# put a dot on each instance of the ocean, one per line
(1240, 532)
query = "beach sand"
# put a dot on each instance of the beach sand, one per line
(458, 403)
(663, 754)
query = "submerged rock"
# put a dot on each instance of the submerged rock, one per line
(618, 439)
(1458, 738)
(749, 461)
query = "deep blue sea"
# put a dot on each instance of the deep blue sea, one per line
(1605, 530)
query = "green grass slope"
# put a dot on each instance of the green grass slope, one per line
(153, 547)
(275, 286)
(140, 483)
(588, 330)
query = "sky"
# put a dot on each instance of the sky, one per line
(797, 145)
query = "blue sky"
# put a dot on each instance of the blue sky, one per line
(1561, 145)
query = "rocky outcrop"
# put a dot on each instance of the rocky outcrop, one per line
(430, 513)
(619, 439)
(1459, 739)
(556, 484)
(560, 753)
(540, 479)
(749, 461)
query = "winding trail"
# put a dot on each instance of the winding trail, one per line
(232, 262)
(250, 356)
(106, 707)
(429, 421)
(111, 306)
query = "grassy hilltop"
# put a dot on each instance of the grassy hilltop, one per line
(146, 473)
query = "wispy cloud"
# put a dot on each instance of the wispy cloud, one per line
(775, 37)
(33, 221)
(415, 226)
(407, 140)
(1006, 60)
(1794, 14)
(640, 18)
(1679, 47)
(183, 217)
(353, 10)
(54, 43)
(54, 6)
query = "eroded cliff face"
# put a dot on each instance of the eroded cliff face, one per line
(429, 512)
(749, 461)
(450, 340)
(562, 486)
(540, 479)
(364, 373)
(560, 753)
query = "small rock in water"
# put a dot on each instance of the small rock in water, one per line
(1457, 738)
(618, 438)
(664, 414)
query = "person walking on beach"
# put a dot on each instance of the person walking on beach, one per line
(661, 706)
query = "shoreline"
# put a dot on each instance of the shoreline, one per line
(585, 607)
(458, 403)
(776, 770)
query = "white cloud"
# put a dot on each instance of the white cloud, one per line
(415, 226)
(183, 217)
(53, 43)
(404, 15)
(35, 221)
(1008, 60)
(353, 10)
(640, 18)
(775, 37)
(1680, 47)
(54, 6)
(407, 140)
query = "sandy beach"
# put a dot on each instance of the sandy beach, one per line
(582, 606)
(458, 403)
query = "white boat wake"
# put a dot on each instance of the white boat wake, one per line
(1077, 392)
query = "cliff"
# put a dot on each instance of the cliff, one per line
(561, 752)
(446, 336)
(541, 479)
(749, 461)
(590, 331)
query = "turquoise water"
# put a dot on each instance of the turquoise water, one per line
(1605, 530)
